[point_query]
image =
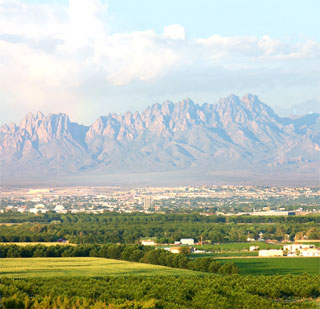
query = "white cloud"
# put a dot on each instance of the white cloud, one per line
(134, 56)
(175, 32)
(84, 26)
(47, 52)
(254, 48)
(31, 21)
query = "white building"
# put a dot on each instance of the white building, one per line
(175, 249)
(34, 210)
(271, 252)
(254, 248)
(301, 249)
(60, 209)
(187, 241)
(292, 248)
(39, 206)
(38, 210)
(310, 252)
(272, 213)
(147, 203)
(148, 242)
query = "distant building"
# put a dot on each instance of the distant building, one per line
(254, 248)
(148, 242)
(272, 213)
(294, 247)
(310, 252)
(60, 209)
(260, 237)
(34, 210)
(38, 210)
(271, 252)
(175, 249)
(39, 206)
(198, 251)
(187, 241)
(147, 202)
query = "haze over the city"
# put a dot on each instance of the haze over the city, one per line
(87, 58)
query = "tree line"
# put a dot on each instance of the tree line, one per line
(166, 228)
(16, 217)
(132, 253)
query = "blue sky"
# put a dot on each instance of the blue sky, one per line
(281, 19)
(284, 18)
(91, 57)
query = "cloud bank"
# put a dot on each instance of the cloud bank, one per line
(65, 57)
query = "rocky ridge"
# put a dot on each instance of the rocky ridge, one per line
(232, 134)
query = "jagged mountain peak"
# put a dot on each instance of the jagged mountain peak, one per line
(250, 98)
(230, 134)
(231, 99)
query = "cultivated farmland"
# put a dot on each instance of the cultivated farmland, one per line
(273, 266)
(82, 266)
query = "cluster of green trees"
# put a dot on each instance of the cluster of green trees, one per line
(16, 217)
(210, 291)
(166, 228)
(133, 253)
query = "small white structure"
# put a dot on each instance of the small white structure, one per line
(60, 209)
(175, 249)
(260, 237)
(271, 252)
(310, 252)
(148, 242)
(34, 210)
(254, 248)
(294, 247)
(39, 206)
(199, 251)
(187, 241)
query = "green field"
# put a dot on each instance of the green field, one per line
(99, 267)
(82, 266)
(224, 254)
(238, 246)
(273, 266)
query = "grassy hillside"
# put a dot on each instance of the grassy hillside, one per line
(239, 246)
(272, 266)
(81, 266)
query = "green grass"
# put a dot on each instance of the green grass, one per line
(100, 267)
(224, 254)
(238, 246)
(82, 266)
(272, 266)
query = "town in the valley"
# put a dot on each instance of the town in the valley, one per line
(221, 201)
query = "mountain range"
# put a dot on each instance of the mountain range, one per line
(240, 140)
(307, 107)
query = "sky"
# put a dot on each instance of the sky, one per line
(87, 58)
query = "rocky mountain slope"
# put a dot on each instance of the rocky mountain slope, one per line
(234, 134)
